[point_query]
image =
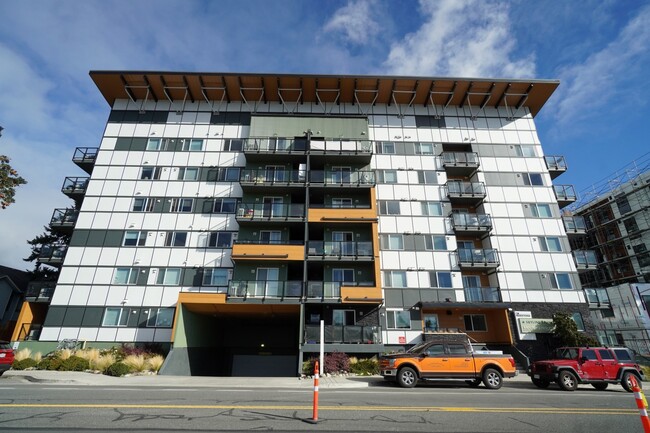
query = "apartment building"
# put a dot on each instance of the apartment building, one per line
(227, 215)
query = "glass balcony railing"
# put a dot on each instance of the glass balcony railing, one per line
(265, 289)
(565, 192)
(585, 258)
(40, 291)
(275, 145)
(258, 241)
(461, 189)
(347, 147)
(271, 176)
(471, 222)
(270, 211)
(64, 217)
(555, 163)
(477, 257)
(460, 159)
(350, 334)
(52, 253)
(482, 294)
(75, 185)
(339, 249)
(356, 178)
(85, 155)
(574, 224)
(597, 296)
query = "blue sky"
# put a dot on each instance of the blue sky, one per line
(600, 50)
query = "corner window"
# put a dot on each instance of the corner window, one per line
(134, 239)
(125, 276)
(475, 322)
(398, 319)
(115, 317)
(160, 317)
(169, 276)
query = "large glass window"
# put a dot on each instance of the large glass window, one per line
(475, 322)
(548, 243)
(220, 240)
(398, 319)
(143, 204)
(160, 317)
(215, 277)
(395, 278)
(150, 173)
(533, 179)
(181, 205)
(134, 238)
(188, 173)
(433, 242)
(440, 279)
(169, 276)
(431, 208)
(561, 281)
(124, 276)
(541, 210)
(115, 317)
(193, 144)
(176, 239)
(389, 207)
(225, 205)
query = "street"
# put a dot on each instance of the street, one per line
(381, 407)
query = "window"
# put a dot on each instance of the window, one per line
(181, 205)
(631, 225)
(188, 173)
(394, 242)
(561, 281)
(115, 317)
(343, 317)
(552, 244)
(143, 204)
(475, 322)
(623, 205)
(457, 349)
(150, 173)
(398, 319)
(160, 317)
(590, 354)
(192, 144)
(134, 239)
(343, 275)
(395, 278)
(215, 277)
(387, 147)
(533, 179)
(124, 276)
(527, 151)
(431, 208)
(225, 174)
(424, 148)
(220, 240)
(176, 239)
(225, 205)
(440, 279)
(233, 145)
(169, 276)
(429, 177)
(541, 210)
(436, 243)
(431, 323)
(607, 313)
(341, 202)
(577, 317)
(388, 176)
(389, 207)
(154, 144)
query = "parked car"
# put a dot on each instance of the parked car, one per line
(447, 356)
(598, 366)
(6, 356)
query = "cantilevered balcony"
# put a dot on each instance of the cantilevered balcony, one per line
(556, 165)
(75, 187)
(565, 194)
(85, 158)
(40, 291)
(53, 255)
(323, 290)
(272, 177)
(356, 178)
(597, 297)
(461, 192)
(482, 294)
(471, 258)
(64, 220)
(274, 149)
(270, 212)
(574, 225)
(460, 163)
(356, 150)
(257, 289)
(585, 260)
(470, 223)
(320, 250)
(343, 334)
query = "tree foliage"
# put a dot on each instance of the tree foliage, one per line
(9, 181)
(41, 271)
(566, 331)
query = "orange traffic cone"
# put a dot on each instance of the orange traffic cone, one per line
(641, 403)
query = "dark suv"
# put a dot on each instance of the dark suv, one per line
(6, 356)
(598, 366)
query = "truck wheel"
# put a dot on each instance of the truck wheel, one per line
(492, 379)
(541, 383)
(567, 381)
(600, 386)
(473, 383)
(626, 382)
(406, 377)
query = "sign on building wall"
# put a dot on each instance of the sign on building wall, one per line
(537, 326)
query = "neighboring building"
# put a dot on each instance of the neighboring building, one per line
(13, 285)
(228, 214)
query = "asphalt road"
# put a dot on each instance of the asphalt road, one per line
(517, 407)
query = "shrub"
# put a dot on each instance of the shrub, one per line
(74, 363)
(92, 355)
(22, 354)
(137, 363)
(104, 362)
(37, 357)
(335, 362)
(365, 367)
(65, 354)
(22, 364)
(49, 363)
(155, 363)
(118, 369)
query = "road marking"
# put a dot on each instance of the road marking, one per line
(539, 410)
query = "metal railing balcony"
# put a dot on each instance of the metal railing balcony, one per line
(460, 162)
(270, 212)
(85, 155)
(265, 289)
(268, 242)
(574, 224)
(346, 334)
(341, 147)
(565, 194)
(75, 185)
(40, 291)
(470, 222)
(273, 177)
(336, 249)
(342, 178)
(482, 294)
(556, 165)
(585, 259)
(275, 145)
(462, 191)
(597, 296)
(52, 254)
(323, 290)
(477, 258)
(64, 218)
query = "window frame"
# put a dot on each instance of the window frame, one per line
(386, 205)
(535, 210)
(209, 277)
(172, 238)
(131, 276)
(214, 240)
(163, 274)
(147, 204)
(555, 246)
(435, 280)
(471, 317)
(426, 208)
(180, 205)
(394, 314)
(156, 317)
(389, 279)
(140, 238)
(430, 242)
(122, 317)
(183, 171)
(223, 201)
(154, 175)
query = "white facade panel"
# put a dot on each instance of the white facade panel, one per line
(98, 295)
(107, 334)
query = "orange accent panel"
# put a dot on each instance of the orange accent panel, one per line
(344, 215)
(361, 294)
(195, 298)
(267, 252)
(25, 317)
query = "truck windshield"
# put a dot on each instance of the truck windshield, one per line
(566, 353)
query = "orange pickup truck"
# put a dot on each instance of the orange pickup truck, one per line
(447, 356)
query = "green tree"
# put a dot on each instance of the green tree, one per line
(9, 181)
(41, 271)
(566, 331)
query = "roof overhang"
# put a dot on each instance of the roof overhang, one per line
(294, 89)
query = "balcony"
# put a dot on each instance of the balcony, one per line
(460, 163)
(556, 165)
(482, 294)
(354, 178)
(574, 225)
(321, 290)
(64, 219)
(597, 298)
(270, 212)
(256, 289)
(585, 260)
(256, 250)
(341, 213)
(75, 187)
(275, 145)
(470, 258)
(52, 255)
(346, 334)
(565, 194)
(470, 193)
(356, 150)
(471, 224)
(271, 177)
(321, 250)
(85, 158)
(40, 291)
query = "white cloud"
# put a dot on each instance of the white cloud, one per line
(355, 21)
(467, 38)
